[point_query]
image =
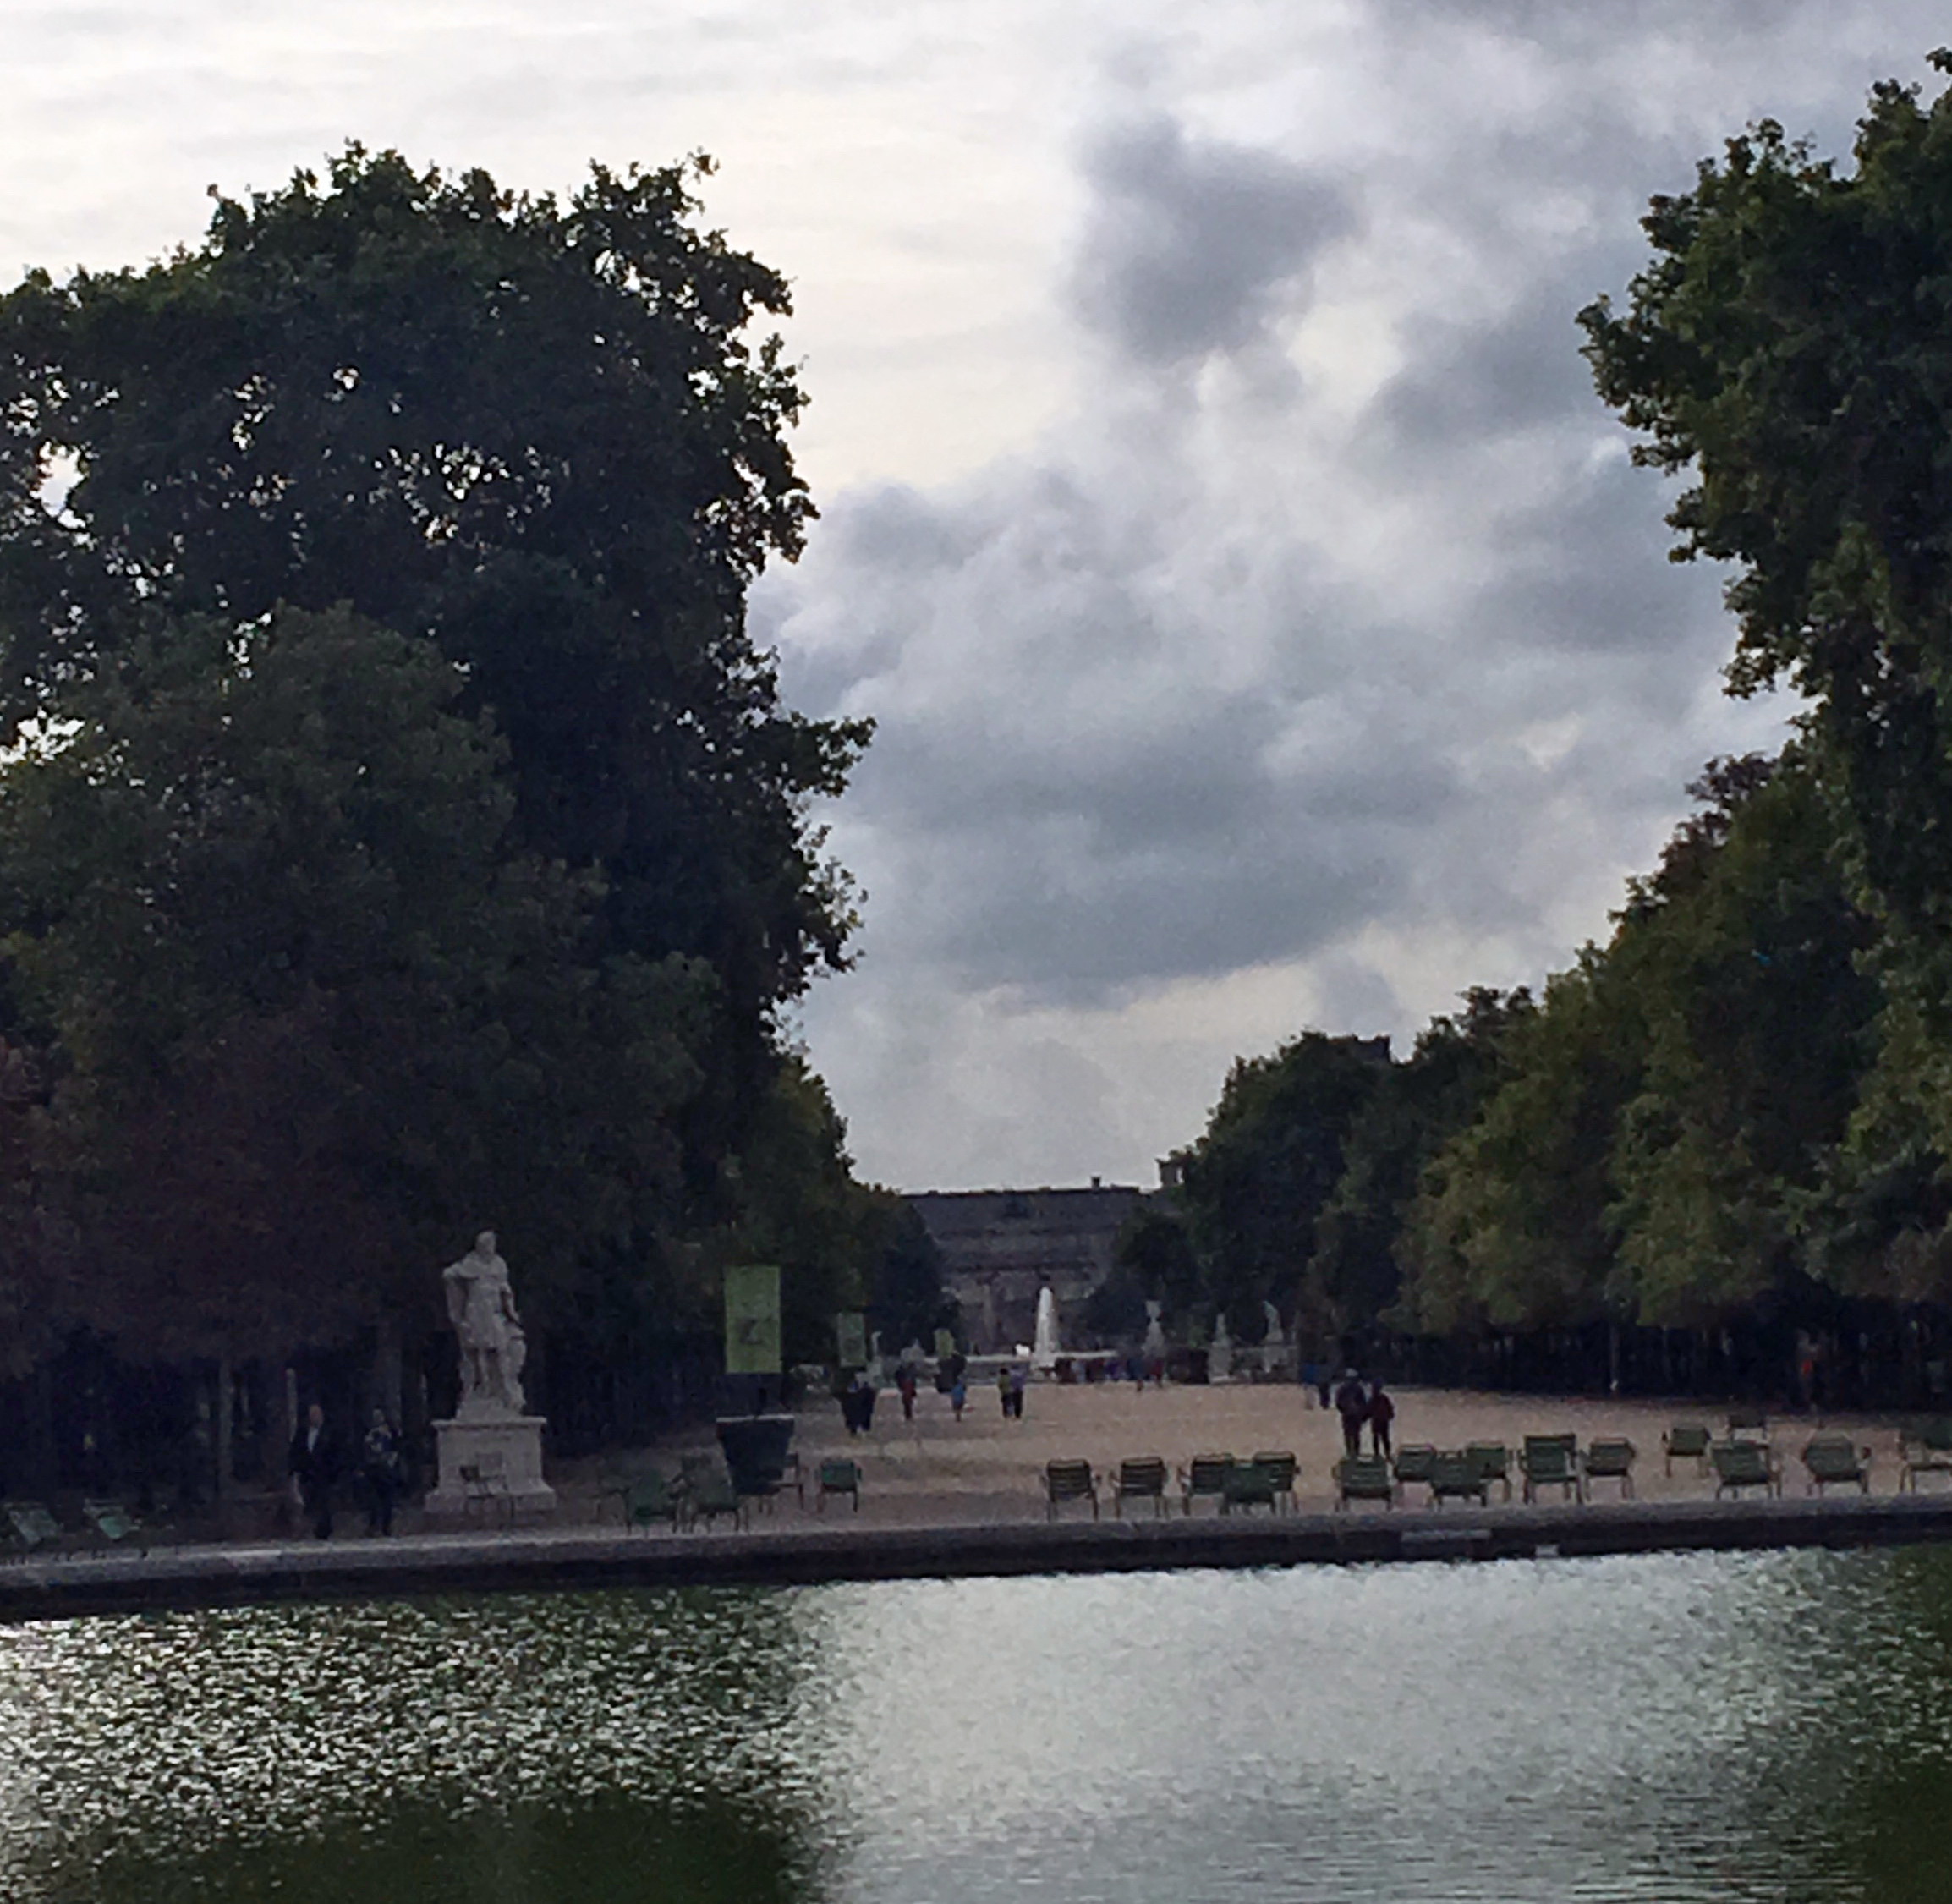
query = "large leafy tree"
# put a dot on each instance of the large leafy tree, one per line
(1257, 1182)
(536, 433)
(303, 1006)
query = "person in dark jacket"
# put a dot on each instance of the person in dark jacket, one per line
(1352, 1405)
(1382, 1414)
(379, 1462)
(315, 1466)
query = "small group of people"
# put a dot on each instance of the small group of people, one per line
(316, 1460)
(1364, 1404)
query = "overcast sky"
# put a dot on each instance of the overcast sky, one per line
(1265, 625)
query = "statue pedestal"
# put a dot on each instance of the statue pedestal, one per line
(504, 1453)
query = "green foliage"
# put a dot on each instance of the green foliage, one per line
(1268, 1164)
(536, 432)
(304, 1007)
(1355, 1277)
(906, 1298)
(1154, 1260)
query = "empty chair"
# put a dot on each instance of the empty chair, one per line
(1745, 1422)
(1686, 1440)
(1611, 1459)
(1414, 1461)
(1925, 1448)
(710, 1493)
(1141, 1478)
(1364, 1477)
(32, 1526)
(839, 1477)
(650, 1497)
(1492, 1460)
(1282, 1466)
(1250, 1485)
(1551, 1460)
(1205, 1476)
(1744, 1464)
(1831, 1460)
(1068, 1480)
(1455, 1476)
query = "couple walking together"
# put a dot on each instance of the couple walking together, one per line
(1358, 1405)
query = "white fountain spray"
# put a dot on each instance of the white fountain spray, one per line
(1043, 1349)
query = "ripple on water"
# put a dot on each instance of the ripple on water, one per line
(1671, 1728)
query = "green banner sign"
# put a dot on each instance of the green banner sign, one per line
(945, 1344)
(850, 1339)
(752, 1319)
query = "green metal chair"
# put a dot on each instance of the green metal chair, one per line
(1551, 1460)
(1141, 1478)
(650, 1497)
(1068, 1480)
(1282, 1467)
(1836, 1461)
(1492, 1460)
(1453, 1475)
(1364, 1477)
(838, 1477)
(1744, 1464)
(1205, 1477)
(1611, 1459)
(1686, 1440)
(1925, 1448)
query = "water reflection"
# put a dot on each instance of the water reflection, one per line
(1672, 1728)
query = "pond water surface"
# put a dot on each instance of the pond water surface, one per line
(1772, 1726)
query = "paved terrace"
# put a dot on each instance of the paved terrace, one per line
(944, 1499)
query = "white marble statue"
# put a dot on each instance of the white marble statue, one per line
(481, 1305)
(1154, 1347)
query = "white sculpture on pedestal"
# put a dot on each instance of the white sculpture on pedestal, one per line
(490, 1455)
(481, 1305)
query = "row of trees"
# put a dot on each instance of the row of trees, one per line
(1735, 1118)
(399, 831)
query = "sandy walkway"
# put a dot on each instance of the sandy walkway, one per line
(984, 1469)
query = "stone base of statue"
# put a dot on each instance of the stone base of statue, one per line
(489, 1469)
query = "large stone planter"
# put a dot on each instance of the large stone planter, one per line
(755, 1450)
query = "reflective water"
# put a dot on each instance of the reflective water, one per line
(1671, 1728)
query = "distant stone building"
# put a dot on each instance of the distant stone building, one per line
(1000, 1247)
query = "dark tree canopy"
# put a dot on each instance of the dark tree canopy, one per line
(533, 430)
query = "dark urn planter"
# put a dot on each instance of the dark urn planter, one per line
(755, 1450)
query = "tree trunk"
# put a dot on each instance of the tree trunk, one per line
(226, 1412)
(386, 1371)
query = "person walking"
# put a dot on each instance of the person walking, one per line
(380, 1458)
(1018, 1379)
(313, 1463)
(905, 1386)
(1003, 1388)
(1382, 1414)
(1352, 1405)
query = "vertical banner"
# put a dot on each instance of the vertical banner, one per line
(945, 1344)
(850, 1339)
(752, 1319)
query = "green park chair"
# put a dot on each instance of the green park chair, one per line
(1414, 1464)
(1925, 1448)
(650, 1497)
(1364, 1477)
(1492, 1460)
(1686, 1440)
(1141, 1478)
(1068, 1480)
(709, 1494)
(1205, 1477)
(1745, 1422)
(1836, 1461)
(838, 1476)
(1744, 1464)
(1249, 1485)
(111, 1521)
(1611, 1459)
(1455, 1476)
(1283, 1467)
(1551, 1460)
(31, 1526)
